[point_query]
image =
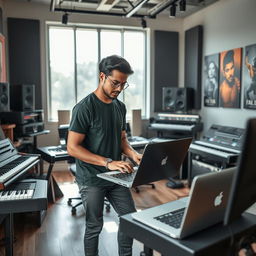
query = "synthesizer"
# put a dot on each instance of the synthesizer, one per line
(12, 163)
(27, 195)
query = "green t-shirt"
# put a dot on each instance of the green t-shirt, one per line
(102, 125)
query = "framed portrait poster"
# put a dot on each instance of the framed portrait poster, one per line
(250, 77)
(2, 59)
(211, 80)
(230, 78)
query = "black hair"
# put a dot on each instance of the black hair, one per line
(229, 57)
(215, 66)
(115, 62)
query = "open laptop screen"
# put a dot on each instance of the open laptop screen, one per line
(243, 192)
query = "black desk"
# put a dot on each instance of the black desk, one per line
(210, 242)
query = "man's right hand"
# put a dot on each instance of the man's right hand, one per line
(122, 166)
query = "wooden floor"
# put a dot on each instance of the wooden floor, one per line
(61, 234)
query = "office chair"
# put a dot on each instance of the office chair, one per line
(72, 169)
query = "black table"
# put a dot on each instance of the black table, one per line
(213, 241)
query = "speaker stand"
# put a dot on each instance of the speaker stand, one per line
(174, 183)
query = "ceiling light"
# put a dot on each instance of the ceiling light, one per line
(182, 5)
(173, 11)
(65, 18)
(143, 23)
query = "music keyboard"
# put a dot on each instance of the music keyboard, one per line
(24, 196)
(211, 145)
(14, 165)
(138, 142)
(178, 127)
(51, 154)
(218, 153)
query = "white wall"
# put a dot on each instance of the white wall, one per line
(227, 24)
(30, 10)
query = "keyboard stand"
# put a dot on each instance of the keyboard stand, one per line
(54, 190)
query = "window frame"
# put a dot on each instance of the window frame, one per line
(146, 85)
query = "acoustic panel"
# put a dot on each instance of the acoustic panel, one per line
(166, 64)
(193, 62)
(24, 54)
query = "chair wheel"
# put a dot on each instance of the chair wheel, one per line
(69, 202)
(73, 211)
(153, 186)
(137, 190)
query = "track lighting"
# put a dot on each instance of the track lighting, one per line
(143, 23)
(182, 5)
(173, 11)
(65, 18)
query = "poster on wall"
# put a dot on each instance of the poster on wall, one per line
(230, 78)
(250, 77)
(211, 80)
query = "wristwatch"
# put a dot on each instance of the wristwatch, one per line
(108, 160)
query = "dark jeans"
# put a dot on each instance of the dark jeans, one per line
(93, 201)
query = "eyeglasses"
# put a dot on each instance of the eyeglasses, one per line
(116, 84)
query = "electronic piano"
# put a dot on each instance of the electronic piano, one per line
(185, 123)
(219, 148)
(27, 195)
(52, 154)
(12, 163)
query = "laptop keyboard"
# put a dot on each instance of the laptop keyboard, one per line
(125, 176)
(173, 218)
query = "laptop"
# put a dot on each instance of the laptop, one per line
(159, 161)
(203, 208)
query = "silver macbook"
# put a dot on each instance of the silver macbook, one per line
(205, 206)
(160, 161)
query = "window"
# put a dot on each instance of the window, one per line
(74, 54)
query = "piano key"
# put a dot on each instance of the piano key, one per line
(13, 171)
(203, 143)
(24, 200)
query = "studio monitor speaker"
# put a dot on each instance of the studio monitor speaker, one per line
(4, 97)
(22, 97)
(177, 99)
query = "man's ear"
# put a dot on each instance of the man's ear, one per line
(102, 76)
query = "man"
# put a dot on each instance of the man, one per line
(252, 73)
(97, 138)
(230, 87)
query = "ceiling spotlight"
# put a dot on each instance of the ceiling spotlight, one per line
(65, 18)
(182, 5)
(143, 23)
(173, 11)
